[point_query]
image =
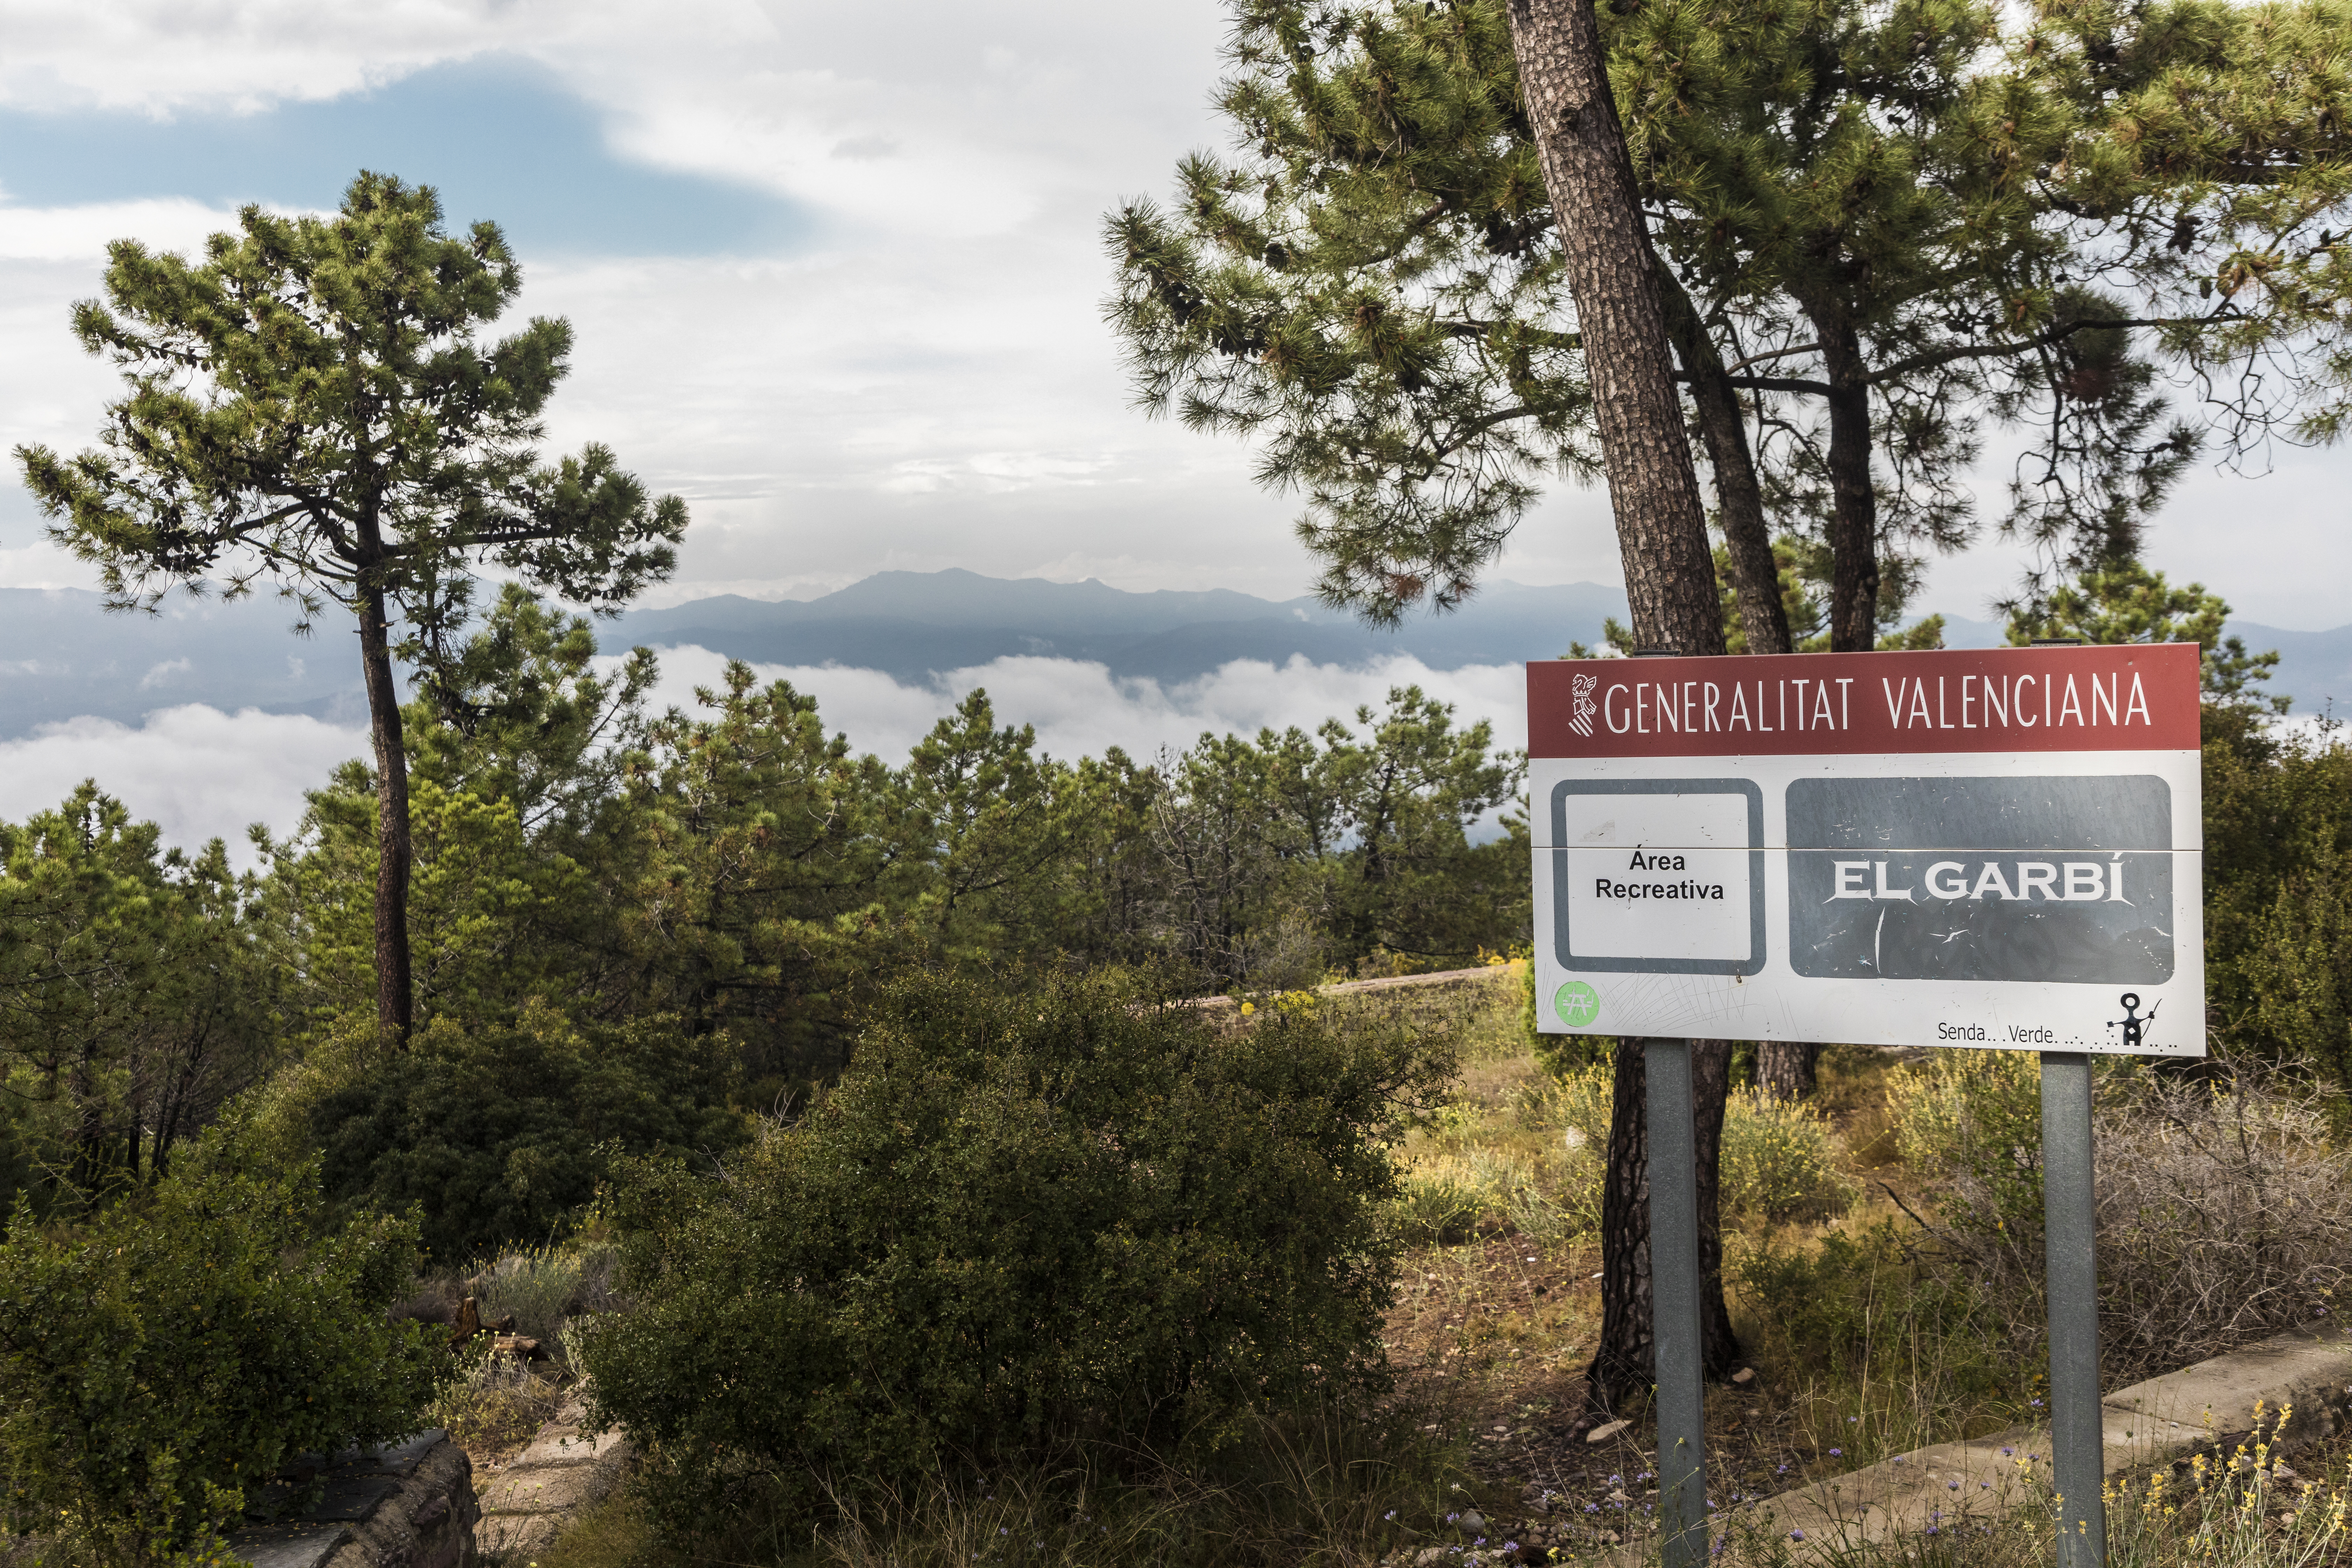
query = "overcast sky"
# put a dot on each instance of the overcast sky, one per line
(835, 269)
(834, 273)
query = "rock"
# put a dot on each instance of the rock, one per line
(1606, 1430)
(562, 1473)
(1744, 1375)
(1619, 1496)
(412, 1505)
(1431, 1556)
(1473, 1521)
(564, 1445)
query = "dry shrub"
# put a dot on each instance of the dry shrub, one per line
(2224, 1214)
(495, 1407)
(543, 1287)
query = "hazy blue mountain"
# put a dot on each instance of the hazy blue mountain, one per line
(62, 656)
(911, 624)
(2314, 667)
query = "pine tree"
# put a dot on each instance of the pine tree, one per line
(309, 405)
(1879, 223)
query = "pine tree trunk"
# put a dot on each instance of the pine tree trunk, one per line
(1623, 1361)
(1661, 522)
(1854, 502)
(1784, 1069)
(394, 1002)
(1662, 540)
(1739, 498)
(1710, 1088)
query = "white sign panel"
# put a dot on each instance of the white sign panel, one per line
(1997, 848)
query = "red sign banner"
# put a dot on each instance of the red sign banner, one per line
(2126, 696)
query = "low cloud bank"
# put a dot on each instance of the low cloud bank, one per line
(1082, 710)
(194, 771)
(200, 774)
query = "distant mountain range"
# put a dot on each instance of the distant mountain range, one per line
(912, 622)
(63, 657)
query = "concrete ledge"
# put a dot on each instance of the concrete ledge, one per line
(410, 1505)
(2164, 1421)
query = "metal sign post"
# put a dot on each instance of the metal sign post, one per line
(1988, 848)
(2069, 1235)
(1674, 1285)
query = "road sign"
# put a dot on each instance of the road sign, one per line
(1995, 848)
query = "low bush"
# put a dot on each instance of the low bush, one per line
(1970, 1122)
(496, 1404)
(1068, 1212)
(1781, 1161)
(499, 1134)
(543, 1287)
(164, 1358)
(1437, 1209)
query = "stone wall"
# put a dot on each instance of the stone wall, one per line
(410, 1505)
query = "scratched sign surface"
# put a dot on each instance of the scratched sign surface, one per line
(1995, 848)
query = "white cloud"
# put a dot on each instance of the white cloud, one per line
(81, 234)
(197, 772)
(1082, 710)
(963, 119)
(935, 388)
(159, 56)
(202, 773)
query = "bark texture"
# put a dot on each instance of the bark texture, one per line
(395, 997)
(1853, 501)
(1623, 1365)
(1711, 1087)
(1661, 523)
(1669, 570)
(1739, 497)
(1623, 1361)
(1785, 1068)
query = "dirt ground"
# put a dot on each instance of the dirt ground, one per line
(1492, 1338)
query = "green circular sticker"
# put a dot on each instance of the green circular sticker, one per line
(1577, 1004)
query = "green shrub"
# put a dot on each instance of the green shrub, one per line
(1562, 1056)
(499, 1134)
(1970, 1121)
(2278, 893)
(1438, 1210)
(1781, 1162)
(162, 1359)
(1841, 1300)
(1021, 1218)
